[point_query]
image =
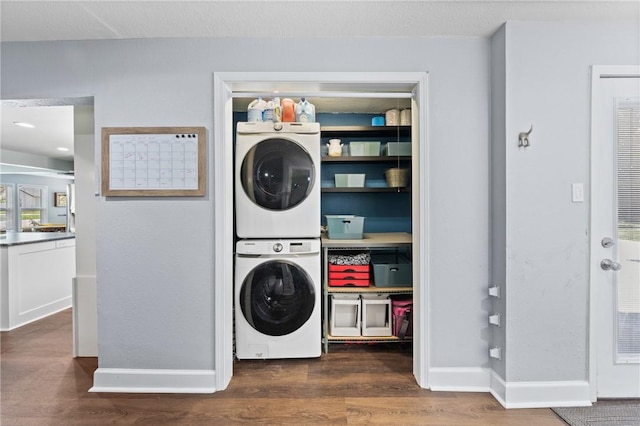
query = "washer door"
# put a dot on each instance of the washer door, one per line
(277, 297)
(277, 174)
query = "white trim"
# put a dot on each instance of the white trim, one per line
(223, 231)
(360, 95)
(153, 381)
(460, 379)
(498, 388)
(421, 233)
(84, 315)
(597, 72)
(40, 312)
(540, 394)
(225, 83)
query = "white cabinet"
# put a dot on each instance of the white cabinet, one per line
(36, 281)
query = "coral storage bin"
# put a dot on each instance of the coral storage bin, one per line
(349, 275)
(349, 282)
(346, 269)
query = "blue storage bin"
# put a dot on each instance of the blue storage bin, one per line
(391, 270)
(345, 227)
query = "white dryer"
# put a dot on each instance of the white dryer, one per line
(277, 185)
(277, 299)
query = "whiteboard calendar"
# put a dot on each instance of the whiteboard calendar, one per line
(166, 161)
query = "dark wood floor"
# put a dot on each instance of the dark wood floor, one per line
(43, 385)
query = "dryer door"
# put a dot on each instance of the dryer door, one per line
(277, 174)
(277, 297)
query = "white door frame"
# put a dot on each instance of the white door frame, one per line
(597, 72)
(224, 85)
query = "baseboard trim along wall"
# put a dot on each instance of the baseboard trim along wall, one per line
(511, 394)
(126, 380)
(540, 394)
(18, 319)
(459, 379)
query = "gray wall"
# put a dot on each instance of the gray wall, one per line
(155, 276)
(547, 80)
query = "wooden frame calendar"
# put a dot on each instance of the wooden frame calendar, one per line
(153, 161)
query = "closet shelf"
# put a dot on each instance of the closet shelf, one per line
(330, 131)
(368, 159)
(366, 339)
(370, 289)
(364, 189)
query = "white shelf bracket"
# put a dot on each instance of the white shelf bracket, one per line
(494, 319)
(495, 353)
(494, 291)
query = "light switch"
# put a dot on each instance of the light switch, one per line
(577, 192)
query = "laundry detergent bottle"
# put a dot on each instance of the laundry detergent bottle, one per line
(305, 111)
(288, 108)
(256, 109)
(272, 111)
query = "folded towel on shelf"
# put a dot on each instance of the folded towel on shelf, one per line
(350, 259)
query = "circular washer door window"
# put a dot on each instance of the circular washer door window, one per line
(277, 298)
(277, 174)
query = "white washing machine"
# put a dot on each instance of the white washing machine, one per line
(277, 185)
(277, 299)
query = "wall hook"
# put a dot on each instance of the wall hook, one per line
(523, 138)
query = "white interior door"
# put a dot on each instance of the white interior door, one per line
(615, 232)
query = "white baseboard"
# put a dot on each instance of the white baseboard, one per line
(511, 394)
(27, 317)
(126, 380)
(459, 379)
(540, 394)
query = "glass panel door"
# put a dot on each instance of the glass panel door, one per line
(615, 256)
(627, 280)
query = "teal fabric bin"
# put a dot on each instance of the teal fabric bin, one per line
(345, 227)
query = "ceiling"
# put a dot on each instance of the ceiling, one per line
(92, 20)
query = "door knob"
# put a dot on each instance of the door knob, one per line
(610, 265)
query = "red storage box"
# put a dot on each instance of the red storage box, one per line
(349, 275)
(348, 283)
(348, 268)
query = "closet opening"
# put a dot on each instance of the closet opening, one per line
(387, 159)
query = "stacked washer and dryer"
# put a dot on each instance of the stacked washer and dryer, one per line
(278, 266)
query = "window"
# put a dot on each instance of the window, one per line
(6, 207)
(32, 206)
(628, 125)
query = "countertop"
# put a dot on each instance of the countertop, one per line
(17, 238)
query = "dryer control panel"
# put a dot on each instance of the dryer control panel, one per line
(277, 247)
